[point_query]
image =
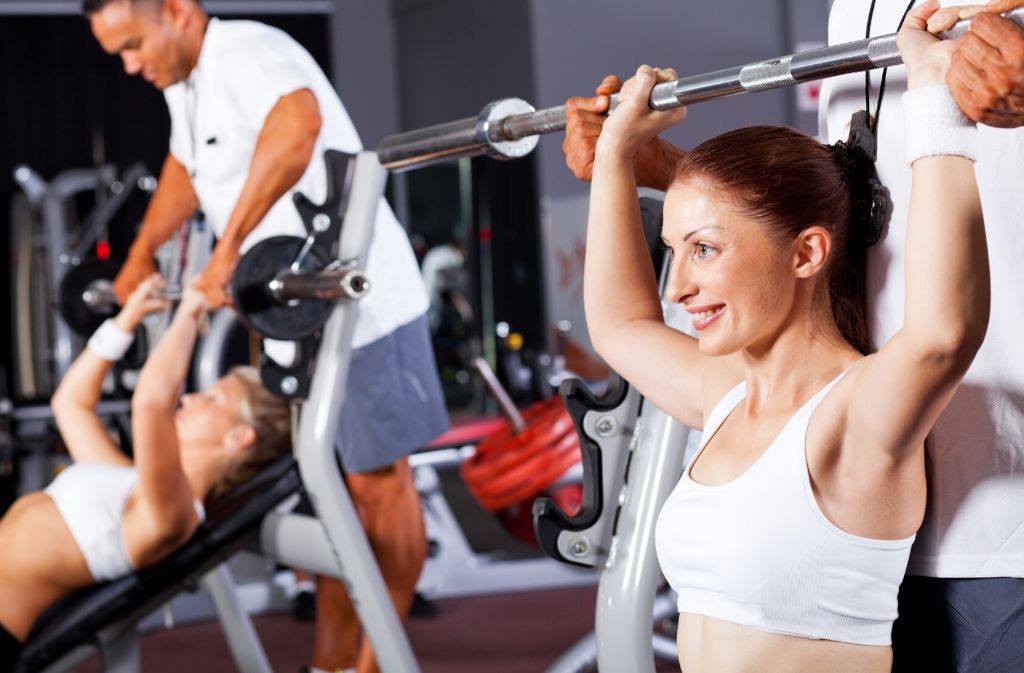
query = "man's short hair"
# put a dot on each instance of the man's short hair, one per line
(90, 7)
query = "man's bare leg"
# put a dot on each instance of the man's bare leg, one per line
(389, 506)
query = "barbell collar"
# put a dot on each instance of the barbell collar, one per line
(470, 137)
(492, 133)
(331, 284)
(463, 138)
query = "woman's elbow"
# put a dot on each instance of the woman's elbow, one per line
(60, 404)
(148, 402)
(953, 346)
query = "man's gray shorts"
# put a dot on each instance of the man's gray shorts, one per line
(959, 625)
(393, 402)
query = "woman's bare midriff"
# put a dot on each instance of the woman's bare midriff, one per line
(39, 562)
(708, 645)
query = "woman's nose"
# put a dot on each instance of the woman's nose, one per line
(680, 284)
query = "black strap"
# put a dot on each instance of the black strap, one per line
(873, 122)
(10, 650)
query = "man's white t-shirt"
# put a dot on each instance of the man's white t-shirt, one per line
(244, 68)
(974, 525)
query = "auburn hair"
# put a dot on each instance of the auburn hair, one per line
(790, 182)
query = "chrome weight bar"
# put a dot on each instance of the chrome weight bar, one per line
(99, 296)
(285, 290)
(509, 128)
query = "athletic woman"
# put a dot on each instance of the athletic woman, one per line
(105, 515)
(788, 534)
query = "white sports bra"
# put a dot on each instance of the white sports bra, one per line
(91, 498)
(759, 552)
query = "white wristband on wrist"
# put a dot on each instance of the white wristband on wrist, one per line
(935, 125)
(110, 342)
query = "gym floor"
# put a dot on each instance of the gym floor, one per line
(510, 633)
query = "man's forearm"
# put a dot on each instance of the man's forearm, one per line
(283, 151)
(173, 202)
(656, 169)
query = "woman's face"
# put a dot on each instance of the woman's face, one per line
(205, 418)
(730, 277)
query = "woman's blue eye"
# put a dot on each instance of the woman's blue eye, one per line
(703, 250)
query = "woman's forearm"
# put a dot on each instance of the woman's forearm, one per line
(947, 277)
(164, 373)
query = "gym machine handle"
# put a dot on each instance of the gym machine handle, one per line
(509, 128)
(549, 520)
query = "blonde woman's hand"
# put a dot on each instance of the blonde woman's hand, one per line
(194, 303)
(142, 301)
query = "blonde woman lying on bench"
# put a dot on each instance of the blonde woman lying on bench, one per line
(106, 515)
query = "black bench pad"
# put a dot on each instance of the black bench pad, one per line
(77, 618)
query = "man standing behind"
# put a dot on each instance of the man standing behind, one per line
(961, 604)
(251, 115)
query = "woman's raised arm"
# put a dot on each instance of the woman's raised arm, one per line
(162, 482)
(901, 391)
(75, 400)
(620, 294)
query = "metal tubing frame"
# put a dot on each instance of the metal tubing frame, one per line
(463, 138)
(239, 633)
(626, 593)
(212, 347)
(54, 220)
(317, 430)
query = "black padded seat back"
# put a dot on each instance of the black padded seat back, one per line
(77, 618)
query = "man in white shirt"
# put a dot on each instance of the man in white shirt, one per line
(251, 115)
(962, 604)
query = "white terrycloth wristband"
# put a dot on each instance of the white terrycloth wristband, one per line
(110, 342)
(936, 126)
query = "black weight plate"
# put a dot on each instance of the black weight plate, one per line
(79, 316)
(258, 308)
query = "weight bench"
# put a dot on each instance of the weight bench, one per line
(103, 617)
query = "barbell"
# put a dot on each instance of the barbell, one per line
(509, 128)
(281, 288)
(285, 289)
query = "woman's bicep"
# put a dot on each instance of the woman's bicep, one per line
(897, 396)
(162, 480)
(86, 438)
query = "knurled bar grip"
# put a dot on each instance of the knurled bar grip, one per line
(472, 137)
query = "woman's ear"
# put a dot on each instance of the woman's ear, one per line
(811, 251)
(239, 437)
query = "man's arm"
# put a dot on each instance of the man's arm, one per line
(283, 151)
(654, 163)
(173, 202)
(986, 74)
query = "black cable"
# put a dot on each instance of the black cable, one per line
(873, 121)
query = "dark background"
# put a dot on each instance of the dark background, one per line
(64, 104)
